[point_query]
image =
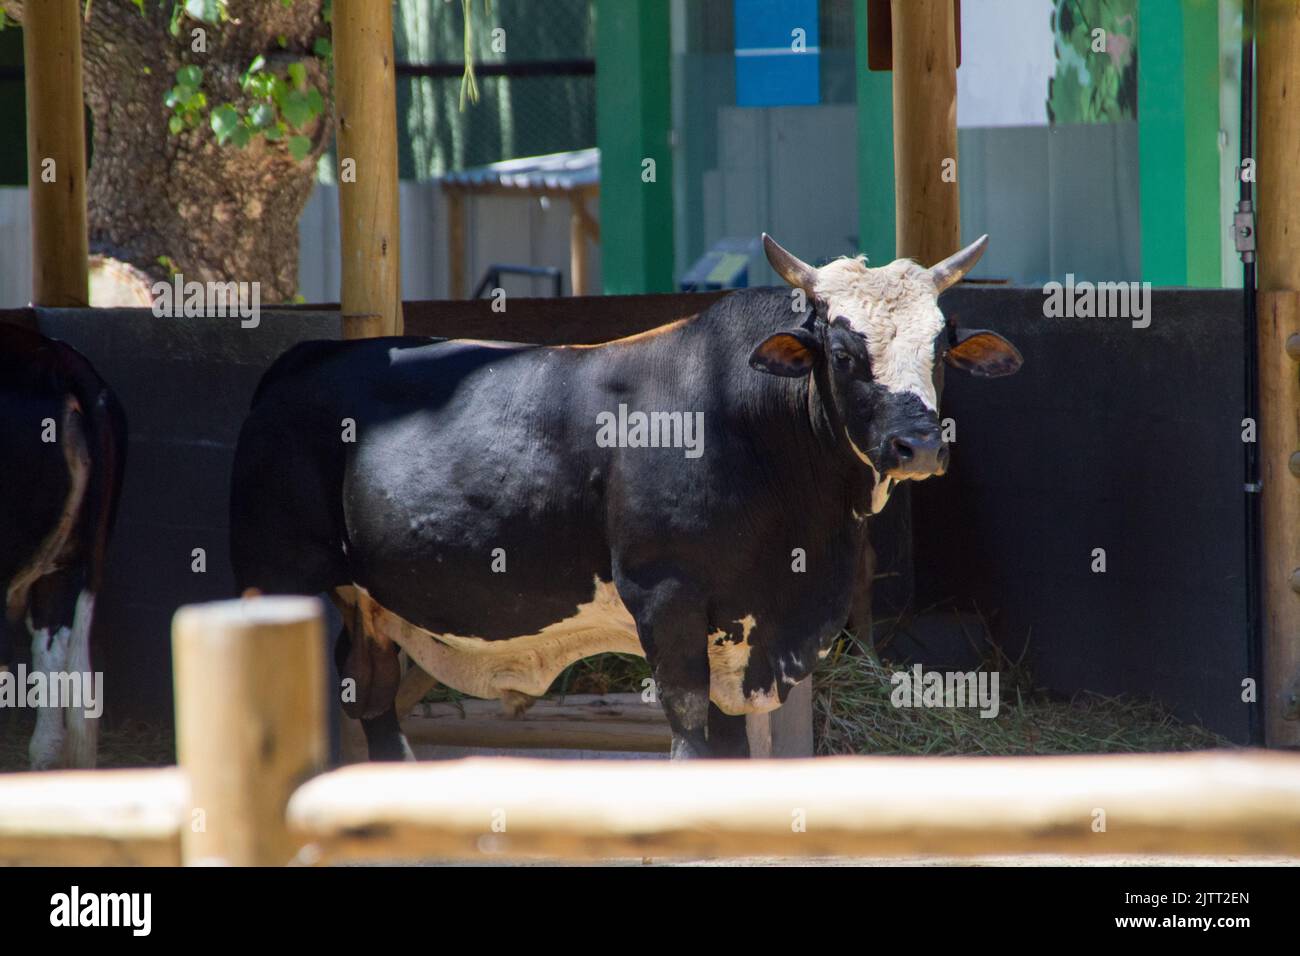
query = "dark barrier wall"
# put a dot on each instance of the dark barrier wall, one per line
(1110, 437)
(1113, 437)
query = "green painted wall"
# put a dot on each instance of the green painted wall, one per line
(875, 93)
(633, 124)
(1178, 141)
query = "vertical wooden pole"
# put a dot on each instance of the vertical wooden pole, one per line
(456, 244)
(927, 212)
(250, 722)
(56, 152)
(1278, 232)
(365, 105)
(577, 245)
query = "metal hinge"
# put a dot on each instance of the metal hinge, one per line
(1243, 230)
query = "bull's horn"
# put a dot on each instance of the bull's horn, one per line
(793, 270)
(948, 273)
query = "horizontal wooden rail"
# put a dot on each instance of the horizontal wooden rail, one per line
(1206, 803)
(92, 818)
(610, 722)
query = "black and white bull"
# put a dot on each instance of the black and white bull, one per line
(62, 448)
(499, 511)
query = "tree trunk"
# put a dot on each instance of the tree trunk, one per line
(160, 202)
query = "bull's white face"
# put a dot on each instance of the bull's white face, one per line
(873, 346)
(896, 311)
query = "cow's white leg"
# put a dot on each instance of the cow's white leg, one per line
(83, 729)
(50, 658)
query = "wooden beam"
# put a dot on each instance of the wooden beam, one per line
(1204, 803)
(927, 210)
(92, 818)
(457, 256)
(365, 106)
(250, 722)
(610, 722)
(56, 153)
(1278, 202)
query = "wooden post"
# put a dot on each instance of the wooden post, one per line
(56, 152)
(365, 106)
(927, 213)
(250, 723)
(786, 731)
(577, 246)
(1278, 186)
(456, 244)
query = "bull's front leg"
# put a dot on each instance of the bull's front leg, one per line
(673, 629)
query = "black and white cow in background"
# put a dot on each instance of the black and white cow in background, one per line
(460, 499)
(62, 451)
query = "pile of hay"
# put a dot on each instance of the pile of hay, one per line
(853, 714)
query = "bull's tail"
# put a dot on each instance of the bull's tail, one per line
(105, 427)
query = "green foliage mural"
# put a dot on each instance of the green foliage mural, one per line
(1096, 61)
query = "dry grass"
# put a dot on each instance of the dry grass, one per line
(853, 714)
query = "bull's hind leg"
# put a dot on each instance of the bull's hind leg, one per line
(59, 617)
(371, 674)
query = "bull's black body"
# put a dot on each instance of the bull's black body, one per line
(465, 447)
(44, 381)
(736, 567)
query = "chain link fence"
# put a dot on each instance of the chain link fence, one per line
(535, 67)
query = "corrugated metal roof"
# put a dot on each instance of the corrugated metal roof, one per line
(558, 171)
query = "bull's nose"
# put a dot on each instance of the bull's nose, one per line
(920, 454)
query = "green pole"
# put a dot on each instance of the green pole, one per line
(633, 125)
(875, 151)
(1178, 141)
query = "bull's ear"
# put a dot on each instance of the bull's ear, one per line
(790, 353)
(984, 353)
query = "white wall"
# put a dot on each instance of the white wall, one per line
(1007, 57)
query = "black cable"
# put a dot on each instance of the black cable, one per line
(1245, 220)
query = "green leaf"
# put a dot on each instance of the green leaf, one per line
(259, 61)
(299, 148)
(209, 11)
(176, 125)
(241, 136)
(261, 84)
(190, 75)
(297, 73)
(315, 102)
(323, 48)
(261, 115)
(274, 133)
(297, 110)
(225, 119)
